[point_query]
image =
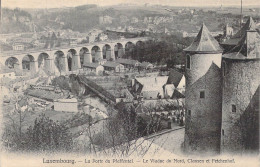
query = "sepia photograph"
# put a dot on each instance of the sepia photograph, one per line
(129, 83)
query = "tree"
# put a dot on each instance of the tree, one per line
(122, 133)
(13, 136)
(47, 135)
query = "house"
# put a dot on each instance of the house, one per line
(93, 68)
(128, 63)
(69, 105)
(146, 65)
(176, 81)
(121, 95)
(18, 46)
(113, 66)
(150, 87)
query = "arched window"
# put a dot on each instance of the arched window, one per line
(188, 61)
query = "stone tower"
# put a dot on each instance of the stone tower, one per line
(240, 104)
(203, 94)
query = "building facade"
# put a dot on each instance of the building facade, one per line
(240, 104)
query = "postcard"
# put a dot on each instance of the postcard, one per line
(129, 83)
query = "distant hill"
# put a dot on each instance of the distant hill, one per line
(15, 20)
(80, 18)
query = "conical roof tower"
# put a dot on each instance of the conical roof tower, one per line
(204, 43)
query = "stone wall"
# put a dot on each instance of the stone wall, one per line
(203, 124)
(240, 109)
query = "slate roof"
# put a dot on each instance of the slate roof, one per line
(248, 47)
(91, 65)
(111, 64)
(204, 43)
(174, 77)
(234, 40)
(177, 95)
(127, 61)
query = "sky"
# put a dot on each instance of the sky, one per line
(73, 3)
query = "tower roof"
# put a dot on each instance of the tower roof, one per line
(204, 43)
(247, 48)
(234, 40)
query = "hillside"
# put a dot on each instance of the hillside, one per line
(16, 20)
(86, 17)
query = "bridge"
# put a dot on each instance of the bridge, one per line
(69, 58)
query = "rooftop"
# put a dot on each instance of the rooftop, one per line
(111, 64)
(152, 83)
(91, 65)
(248, 46)
(234, 40)
(127, 61)
(174, 77)
(204, 43)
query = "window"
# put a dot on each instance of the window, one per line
(224, 68)
(223, 132)
(234, 108)
(9, 74)
(188, 61)
(189, 112)
(202, 94)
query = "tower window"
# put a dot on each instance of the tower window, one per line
(223, 132)
(224, 68)
(234, 109)
(188, 62)
(202, 94)
(189, 112)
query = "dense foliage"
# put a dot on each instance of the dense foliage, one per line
(48, 135)
(44, 135)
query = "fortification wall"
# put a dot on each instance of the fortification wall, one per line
(203, 124)
(199, 65)
(240, 106)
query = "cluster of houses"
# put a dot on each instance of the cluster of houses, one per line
(118, 66)
(160, 87)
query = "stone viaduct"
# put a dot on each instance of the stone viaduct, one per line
(77, 55)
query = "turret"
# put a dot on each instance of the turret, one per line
(240, 104)
(203, 94)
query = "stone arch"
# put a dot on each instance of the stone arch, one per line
(60, 62)
(119, 50)
(12, 63)
(85, 56)
(96, 53)
(129, 49)
(71, 53)
(106, 50)
(42, 59)
(28, 62)
(140, 51)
